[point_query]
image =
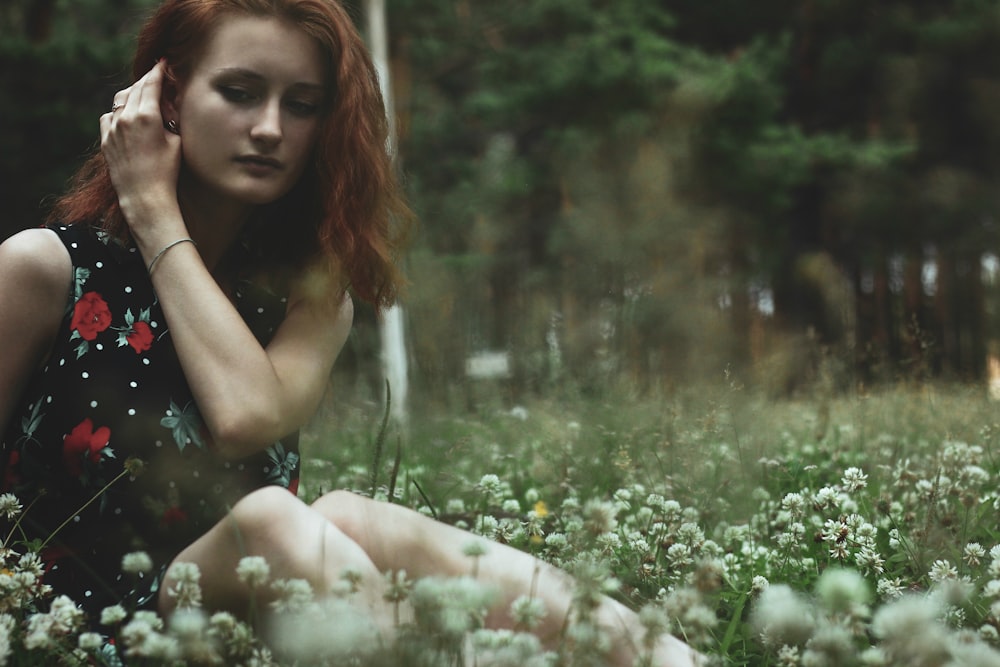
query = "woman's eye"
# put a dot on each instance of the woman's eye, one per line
(302, 107)
(235, 94)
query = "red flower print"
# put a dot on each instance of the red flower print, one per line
(10, 477)
(173, 515)
(82, 443)
(294, 486)
(90, 315)
(140, 337)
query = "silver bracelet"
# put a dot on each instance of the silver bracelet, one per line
(156, 258)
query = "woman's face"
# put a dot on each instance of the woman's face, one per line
(249, 112)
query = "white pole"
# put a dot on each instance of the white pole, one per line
(391, 327)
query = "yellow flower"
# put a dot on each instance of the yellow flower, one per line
(541, 509)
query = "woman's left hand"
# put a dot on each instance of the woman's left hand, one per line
(143, 157)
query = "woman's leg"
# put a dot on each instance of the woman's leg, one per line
(396, 538)
(296, 541)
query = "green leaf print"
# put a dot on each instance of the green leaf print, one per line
(80, 276)
(283, 464)
(185, 423)
(30, 423)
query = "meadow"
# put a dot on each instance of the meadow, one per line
(856, 529)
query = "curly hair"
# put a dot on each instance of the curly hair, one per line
(347, 209)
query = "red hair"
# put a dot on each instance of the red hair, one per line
(347, 208)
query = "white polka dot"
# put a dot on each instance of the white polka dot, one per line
(99, 346)
(172, 485)
(85, 375)
(76, 519)
(128, 290)
(99, 265)
(159, 443)
(133, 384)
(62, 362)
(87, 594)
(131, 412)
(93, 404)
(153, 324)
(240, 467)
(195, 473)
(48, 399)
(145, 361)
(170, 413)
(260, 310)
(118, 510)
(73, 245)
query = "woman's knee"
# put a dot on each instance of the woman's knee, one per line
(265, 513)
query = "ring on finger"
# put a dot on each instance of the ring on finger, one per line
(116, 106)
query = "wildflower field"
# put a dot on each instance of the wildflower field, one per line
(848, 530)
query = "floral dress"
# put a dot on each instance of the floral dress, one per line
(107, 450)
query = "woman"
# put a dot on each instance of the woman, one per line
(176, 322)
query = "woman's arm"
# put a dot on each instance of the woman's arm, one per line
(35, 277)
(250, 396)
(247, 395)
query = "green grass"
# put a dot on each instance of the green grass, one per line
(848, 530)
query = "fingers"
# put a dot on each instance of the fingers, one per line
(143, 96)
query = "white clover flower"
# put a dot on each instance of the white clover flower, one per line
(38, 632)
(490, 485)
(137, 562)
(30, 564)
(487, 525)
(854, 479)
(973, 553)
(511, 506)
(992, 588)
(90, 641)
(794, 504)
(292, 594)
(826, 498)
(690, 534)
(788, 656)
(186, 588)
(253, 571)
(66, 616)
(782, 616)
(869, 560)
(527, 612)
(671, 510)
(397, 586)
(910, 631)
(609, 542)
(841, 590)
(10, 506)
(758, 584)
(455, 506)
(113, 615)
(679, 555)
(599, 516)
(941, 570)
(556, 541)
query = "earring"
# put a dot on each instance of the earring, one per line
(173, 127)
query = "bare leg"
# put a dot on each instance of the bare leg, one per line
(295, 540)
(396, 538)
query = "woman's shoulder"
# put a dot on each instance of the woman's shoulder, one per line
(36, 259)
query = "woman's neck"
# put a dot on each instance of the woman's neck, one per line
(212, 221)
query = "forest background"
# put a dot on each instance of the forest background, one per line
(802, 193)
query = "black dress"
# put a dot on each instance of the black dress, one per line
(107, 441)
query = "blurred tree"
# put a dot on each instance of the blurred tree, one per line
(60, 63)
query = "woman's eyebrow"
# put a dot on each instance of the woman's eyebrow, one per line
(245, 73)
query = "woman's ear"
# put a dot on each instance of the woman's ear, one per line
(170, 96)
